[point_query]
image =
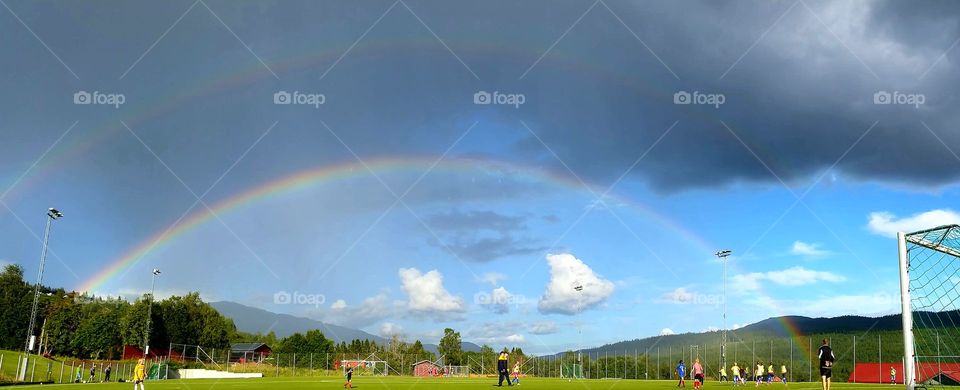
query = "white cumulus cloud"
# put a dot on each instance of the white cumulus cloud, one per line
(801, 248)
(886, 224)
(666, 332)
(339, 304)
(426, 294)
(566, 273)
(388, 329)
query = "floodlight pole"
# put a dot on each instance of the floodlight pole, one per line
(52, 214)
(579, 289)
(722, 255)
(146, 335)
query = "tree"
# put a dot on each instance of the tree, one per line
(450, 346)
(15, 301)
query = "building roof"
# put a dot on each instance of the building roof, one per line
(425, 361)
(247, 347)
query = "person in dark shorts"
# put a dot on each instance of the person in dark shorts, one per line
(503, 363)
(106, 373)
(826, 364)
(681, 372)
(349, 382)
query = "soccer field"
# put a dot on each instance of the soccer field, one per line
(369, 383)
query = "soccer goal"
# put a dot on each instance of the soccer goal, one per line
(456, 371)
(571, 370)
(930, 300)
(365, 367)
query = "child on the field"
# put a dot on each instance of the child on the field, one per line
(759, 374)
(349, 382)
(681, 372)
(770, 374)
(736, 374)
(516, 373)
(783, 374)
(139, 374)
(697, 374)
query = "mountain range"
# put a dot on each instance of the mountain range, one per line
(253, 320)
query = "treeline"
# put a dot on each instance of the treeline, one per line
(88, 327)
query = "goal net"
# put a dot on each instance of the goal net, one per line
(571, 370)
(365, 367)
(930, 299)
(456, 371)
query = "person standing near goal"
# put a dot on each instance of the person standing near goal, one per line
(139, 374)
(826, 364)
(697, 374)
(893, 375)
(349, 376)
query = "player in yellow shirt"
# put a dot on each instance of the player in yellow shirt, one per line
(736, 374)
(770, 374)
(139, 374)
(783, 374)
(723, 374)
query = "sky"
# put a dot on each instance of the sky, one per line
(403, 166)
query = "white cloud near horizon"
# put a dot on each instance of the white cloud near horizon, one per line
(567, 272)
(887, 224)
(427, 295)
(666, 332)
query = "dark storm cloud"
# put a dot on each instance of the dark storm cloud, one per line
(481, 235)
(798, 80)
(797, 97)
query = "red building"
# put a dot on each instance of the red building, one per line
(249, 352)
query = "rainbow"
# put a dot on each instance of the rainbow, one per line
(332, 173)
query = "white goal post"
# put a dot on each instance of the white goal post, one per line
(930, 306)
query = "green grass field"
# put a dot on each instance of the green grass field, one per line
(371, 383)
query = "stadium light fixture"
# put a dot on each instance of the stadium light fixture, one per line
(722, 255)
(146, 334)
(52, 214)
(578, 287)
